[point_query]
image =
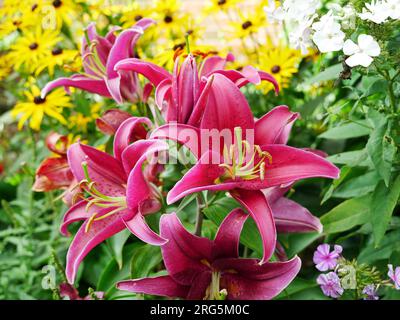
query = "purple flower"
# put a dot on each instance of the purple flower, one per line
(330, 285)
(370, 292)
(394, 275)
(324, 259)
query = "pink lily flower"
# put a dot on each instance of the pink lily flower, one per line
(244, 168)
(100, 55)
(119, 194)
(289, 216)
(68, 292)
(182, 96)
(199, 268)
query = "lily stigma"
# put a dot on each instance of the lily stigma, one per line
(235, 160)
(99, 199)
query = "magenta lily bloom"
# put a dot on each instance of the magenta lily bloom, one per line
(99, 58)
(289, 216)
(119, 194)
(244, 168)
(199, 268)
(182, 96)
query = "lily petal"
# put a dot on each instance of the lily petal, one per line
(152, 72)
(289, 215)
(275, 126)
(76, 213)
(185, 255)
(255, 282)
(257, 206)
(84, 241)
(227, 107)
(111, 120)
(161, 286)
(226, 241)
(80, 82)
(129, 131)
(138, 226)
(184, 134)
(104, 170)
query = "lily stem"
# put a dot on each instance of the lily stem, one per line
(199, 216)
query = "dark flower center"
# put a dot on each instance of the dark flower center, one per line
(16, 23)
(56, 51)
(33, 46)
(168, 19)
(57, 3)
(138, 17)
(246, 25)
(189, 32)
(39, 100)
(221, 2)
(179, 46)
(34, 7)
(275, 69)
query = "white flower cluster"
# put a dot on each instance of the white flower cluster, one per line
(380, 11)
(306, 28)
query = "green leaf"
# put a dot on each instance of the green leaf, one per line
(358, 187)
(347, 131)
(117, 243)
(347, 215)
(352, 158)
(389, 244)
(144, 260)
(294, 243)
(384, 200)
(335, 184)
(381, 147)
(330, 73)
(111, 274)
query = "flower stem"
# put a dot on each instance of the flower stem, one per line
(199, 216)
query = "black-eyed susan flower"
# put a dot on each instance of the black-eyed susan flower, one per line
(169, 17)
(35, 107)
(280, 61)
(64, 10)
(247, 24)
(134, 12)
(62, 58)
(33, 49)
(213, 6)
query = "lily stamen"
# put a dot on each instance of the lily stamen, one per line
(240, 160)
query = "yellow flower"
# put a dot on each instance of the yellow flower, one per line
(81, 121)
(33, 49)
(247, 24)
(218, 5)
(63, 58)
(64, 10)
(280, 61)
(133, 13)
(5, 67)
(169, 17)
(15, 17)
(36, 107)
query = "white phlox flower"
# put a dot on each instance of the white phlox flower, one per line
(362, 53)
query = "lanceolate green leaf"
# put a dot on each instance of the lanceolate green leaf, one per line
(389, 244)
(347, 215)
(358, 186)
(347, 131)
(380, 146)
(384, 201)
